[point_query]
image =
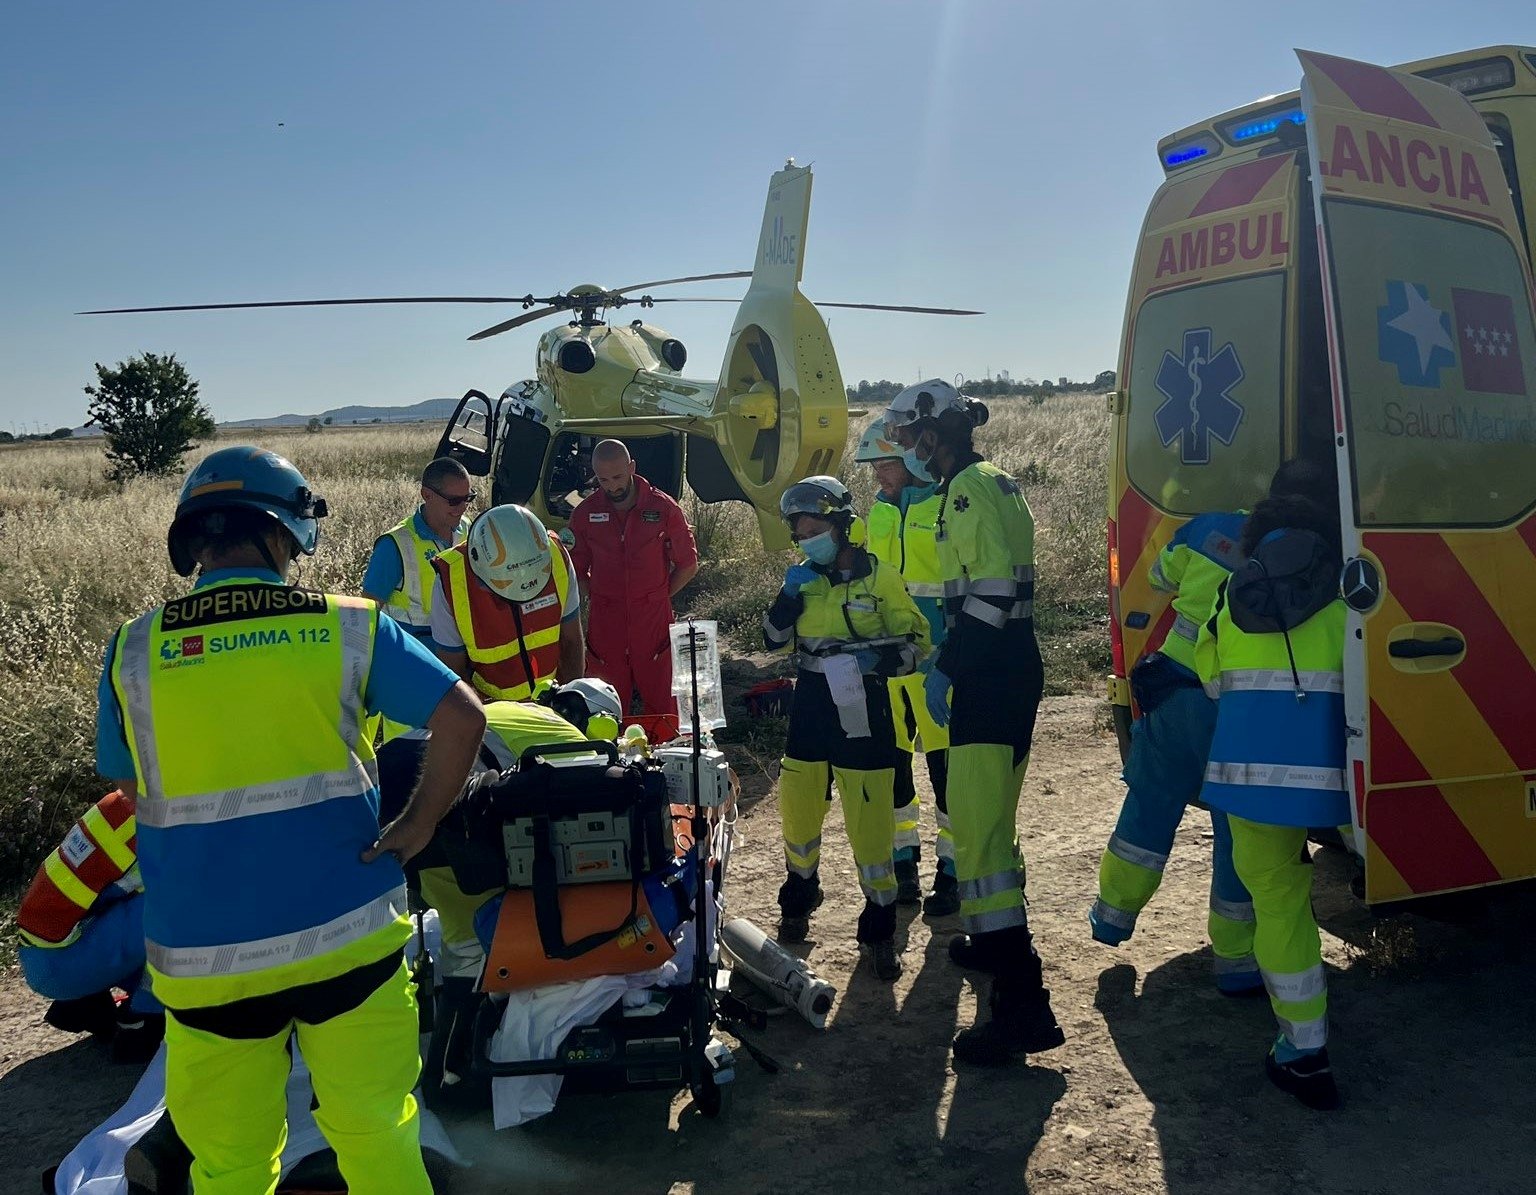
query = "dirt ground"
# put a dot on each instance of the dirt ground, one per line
(1159, 1087)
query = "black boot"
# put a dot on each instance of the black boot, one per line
(877, 933)
(973, 953)
(944, 901)
(138, 1036)
(1308, 1078)
(158, 1162)
(798, 899)
(1022, 1023)
(95, 1014)
(887, 961)
(909, 889)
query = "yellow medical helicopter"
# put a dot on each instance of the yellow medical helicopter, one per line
(778, 411)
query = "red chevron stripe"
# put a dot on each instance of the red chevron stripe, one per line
(1374, 90)
(1160, 630)
(1527, 531)
(1416, 829)
(1392, 760)
(1428, 581)
(1137, 518)
(1237, 186)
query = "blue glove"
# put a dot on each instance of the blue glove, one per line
(868, 659)
(925, 665)
(798, 576)
(936, 693)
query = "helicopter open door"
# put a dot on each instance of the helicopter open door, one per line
(471, 434)
(1432, 336)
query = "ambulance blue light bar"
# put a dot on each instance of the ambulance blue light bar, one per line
(1201, 146)
(1266, 127)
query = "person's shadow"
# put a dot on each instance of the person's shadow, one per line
(1430, 1040)
(48, 1103)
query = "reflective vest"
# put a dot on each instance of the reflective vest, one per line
(902, 534)
(513, 647)
(872, 604)
(986, 541)
(243, 707)
(411, 603)
(1276, 757)
(511, 727)
(1199, 557)
(96, 863)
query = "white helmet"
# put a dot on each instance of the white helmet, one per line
(873, 446)
(926, 400)
(582, 700)
(509, 550)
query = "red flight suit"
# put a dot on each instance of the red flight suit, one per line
(625, 559)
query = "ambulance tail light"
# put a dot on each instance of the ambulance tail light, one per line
(1474, 78)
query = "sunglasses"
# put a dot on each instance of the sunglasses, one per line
(464, 501)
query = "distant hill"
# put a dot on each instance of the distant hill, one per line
(433, 410)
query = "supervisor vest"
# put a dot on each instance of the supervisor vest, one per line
(513, 647)
(243, 704)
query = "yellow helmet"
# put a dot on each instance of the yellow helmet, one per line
(509, 550)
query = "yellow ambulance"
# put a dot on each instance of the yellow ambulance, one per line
(1346, 270)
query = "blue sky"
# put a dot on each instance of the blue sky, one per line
(975, 154)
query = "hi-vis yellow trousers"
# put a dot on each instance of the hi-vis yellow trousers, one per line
(226, 1096)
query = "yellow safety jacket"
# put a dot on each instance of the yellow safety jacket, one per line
(243, 706)
(828, 615)
(411, 603)
(985, 534)
(511, 727)
(1278, 753)
(1199, 557)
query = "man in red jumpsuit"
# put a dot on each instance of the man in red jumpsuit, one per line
(633, 551)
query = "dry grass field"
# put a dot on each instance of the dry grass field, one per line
(79, 555)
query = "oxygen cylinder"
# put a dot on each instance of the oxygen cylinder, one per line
(787, 979)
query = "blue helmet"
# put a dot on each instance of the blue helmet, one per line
(249, 477)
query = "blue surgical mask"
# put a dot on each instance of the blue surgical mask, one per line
(916, 466)
(820, 549)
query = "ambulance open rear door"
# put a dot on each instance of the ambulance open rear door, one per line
(1433, 356)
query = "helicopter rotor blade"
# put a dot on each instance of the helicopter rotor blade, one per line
(898, 307)
(515, 322)
(691, 278)
(309, 303)
(857, 306)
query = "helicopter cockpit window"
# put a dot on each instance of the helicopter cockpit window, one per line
(569, 477)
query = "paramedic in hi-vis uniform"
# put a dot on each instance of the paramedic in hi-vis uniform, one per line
(855, 627)
(236, 717)
(399, 574)
(900, 529)
(1166, 765)
(1273, 654)
(986, 686)
(506, 613)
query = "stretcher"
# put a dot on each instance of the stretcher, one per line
(602, 874)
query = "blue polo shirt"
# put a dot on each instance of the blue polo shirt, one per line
(385, 569)
(405, 681)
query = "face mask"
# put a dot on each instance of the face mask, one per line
(820, 549)
(916, 466)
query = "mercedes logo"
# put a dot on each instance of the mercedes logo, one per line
(1361, 584)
